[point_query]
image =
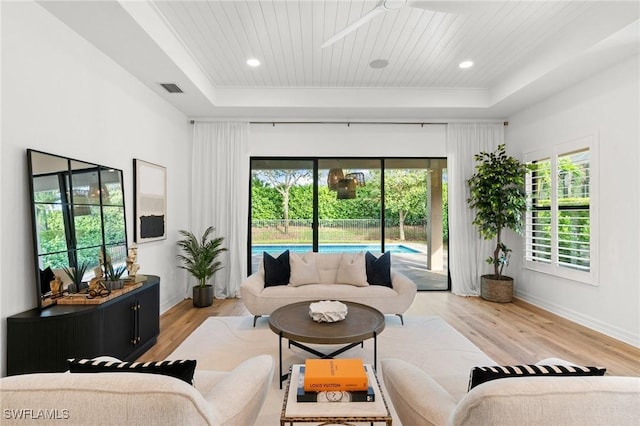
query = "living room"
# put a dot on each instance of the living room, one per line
(63, 95)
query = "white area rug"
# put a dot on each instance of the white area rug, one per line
(221, 343)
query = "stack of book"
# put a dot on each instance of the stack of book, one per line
(334, 380)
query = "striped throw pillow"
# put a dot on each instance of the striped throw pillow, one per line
(480, 375)
(180, 369)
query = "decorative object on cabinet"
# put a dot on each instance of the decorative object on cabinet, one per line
(132, 258)
(76, 275)
(56, 287)
(150, 202)
(199, 258)
(77, 213)
(123, 326)
(113, 280)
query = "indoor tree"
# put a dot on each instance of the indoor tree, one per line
(497, 195)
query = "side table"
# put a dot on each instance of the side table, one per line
(345, 413)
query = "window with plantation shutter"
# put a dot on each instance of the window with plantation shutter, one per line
(573, 210)
(538, 222)
(558, 225)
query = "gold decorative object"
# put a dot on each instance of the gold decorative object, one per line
(94, 283)
(56, 286)
(132, 266)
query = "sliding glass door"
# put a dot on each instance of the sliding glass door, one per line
(395, 205)
(349, 205)
(414, 222)
(281, 207)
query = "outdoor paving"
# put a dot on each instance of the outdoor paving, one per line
(414, 266)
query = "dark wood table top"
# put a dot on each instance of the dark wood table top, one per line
(294, 323)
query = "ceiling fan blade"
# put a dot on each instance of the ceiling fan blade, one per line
(457, 7)
(354, 25)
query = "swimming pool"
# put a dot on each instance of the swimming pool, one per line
(330, 248)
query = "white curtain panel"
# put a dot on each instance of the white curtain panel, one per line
(219, 197)
(467, 250)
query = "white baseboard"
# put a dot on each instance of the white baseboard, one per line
(168, 304)
(585, 320)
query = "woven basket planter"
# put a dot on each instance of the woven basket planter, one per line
(493, 290)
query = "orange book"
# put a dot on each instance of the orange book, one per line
(335, 375)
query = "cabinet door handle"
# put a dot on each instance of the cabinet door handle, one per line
(138, 323)
(134, 331)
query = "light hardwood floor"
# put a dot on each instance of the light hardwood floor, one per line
(510, 333)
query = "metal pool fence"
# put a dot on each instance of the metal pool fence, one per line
(269, 231)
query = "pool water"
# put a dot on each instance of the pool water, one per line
(274, 249)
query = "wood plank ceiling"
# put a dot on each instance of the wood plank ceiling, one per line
(423, 47)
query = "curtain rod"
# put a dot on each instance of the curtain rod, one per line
(348, 123)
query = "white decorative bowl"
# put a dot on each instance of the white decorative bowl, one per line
(328, 311)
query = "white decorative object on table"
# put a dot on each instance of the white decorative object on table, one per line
(328, 311)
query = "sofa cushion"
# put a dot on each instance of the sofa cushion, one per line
(276, 270)
(378, 269)
(180, 369)
(480, 375)
(352, 270)
(303, 269)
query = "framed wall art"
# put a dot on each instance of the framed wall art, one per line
(150, 202)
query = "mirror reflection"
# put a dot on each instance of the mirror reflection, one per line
(78, 218)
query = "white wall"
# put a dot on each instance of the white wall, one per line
(340, 140)
(62, 95)
(607, 106)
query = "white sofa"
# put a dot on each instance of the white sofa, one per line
(419, 399)
(216, 398)
(261, 300)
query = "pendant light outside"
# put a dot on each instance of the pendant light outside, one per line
(333, 178)
(346, 189)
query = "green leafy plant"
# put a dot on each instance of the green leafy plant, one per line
(199, 255)
(497, 194)
(114, 274)
(76, 274)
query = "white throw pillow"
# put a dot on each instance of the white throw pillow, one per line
(303, 269)
(352, 270)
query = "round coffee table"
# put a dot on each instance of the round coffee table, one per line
(293, 322)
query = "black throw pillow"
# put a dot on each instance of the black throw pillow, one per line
(180, 369)
(46, 277)
(378, 269)
(480, 375)
(277, 271)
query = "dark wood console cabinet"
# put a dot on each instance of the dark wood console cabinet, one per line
(124, 327)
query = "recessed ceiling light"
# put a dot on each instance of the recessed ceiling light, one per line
(378, 63)
(253, 62)
(466, 64)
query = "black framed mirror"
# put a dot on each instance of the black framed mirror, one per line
(78, 215)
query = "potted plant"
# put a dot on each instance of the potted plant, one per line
(199, 258)
(497, 194)
(76, 275)
(113, 276)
